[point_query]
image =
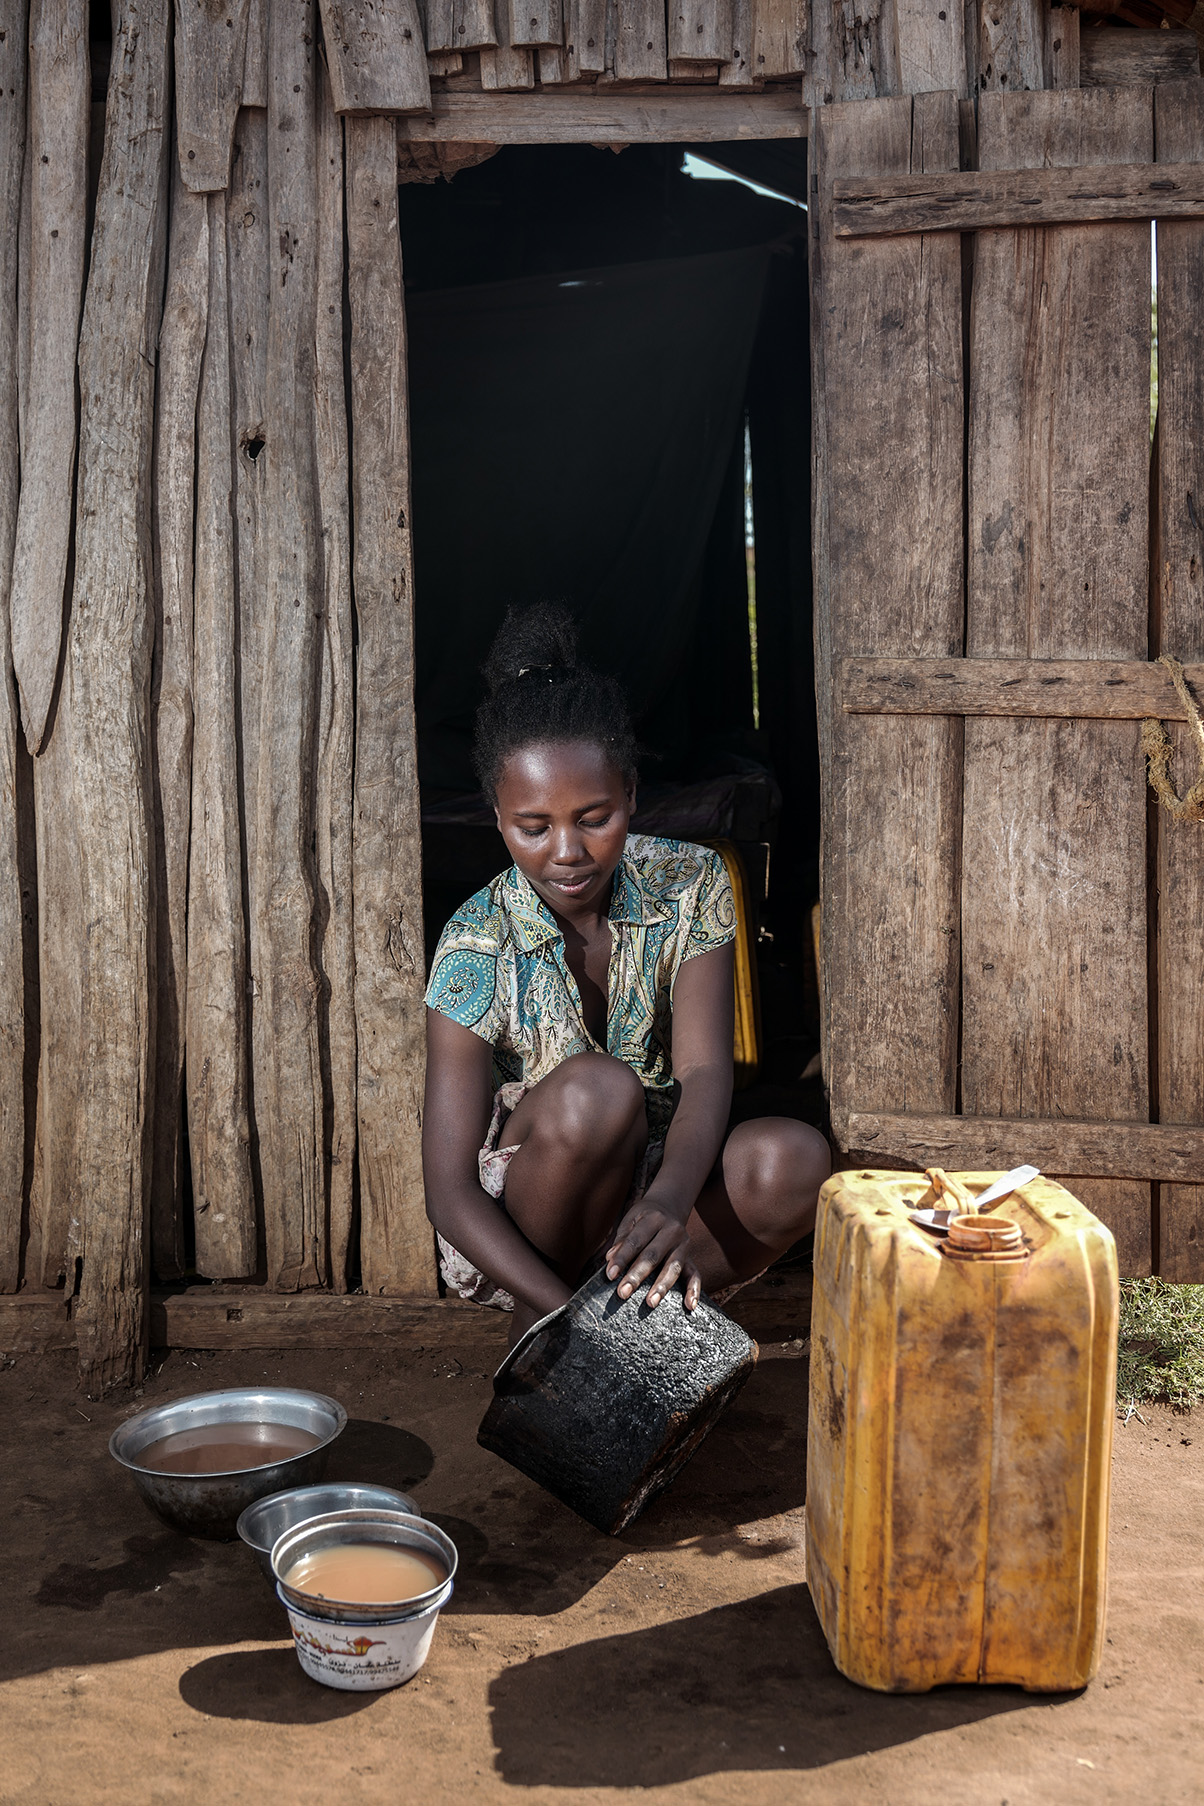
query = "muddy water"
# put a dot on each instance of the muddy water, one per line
(226, 1448)
(366, 1573)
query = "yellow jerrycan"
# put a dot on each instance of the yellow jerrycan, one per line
(963, 1393)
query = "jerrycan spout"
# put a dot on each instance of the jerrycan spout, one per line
(984, 1238)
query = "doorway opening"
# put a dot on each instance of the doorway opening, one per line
(610, 407)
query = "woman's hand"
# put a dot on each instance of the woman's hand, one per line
(653, 1238)
(650, 1240)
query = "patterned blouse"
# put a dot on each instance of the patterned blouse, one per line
(500, 966)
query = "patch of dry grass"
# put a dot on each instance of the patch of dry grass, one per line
(1161, 1343)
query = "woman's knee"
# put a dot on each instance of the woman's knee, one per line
(594, 1098)
(777, 1165)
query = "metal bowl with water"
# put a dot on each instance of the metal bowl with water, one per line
(210, 1504)
(354, 1646)
(263, 1524)
(401, 1529)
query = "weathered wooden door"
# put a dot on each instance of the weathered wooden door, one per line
(1014, 965)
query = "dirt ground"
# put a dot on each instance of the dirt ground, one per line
(682, 1660)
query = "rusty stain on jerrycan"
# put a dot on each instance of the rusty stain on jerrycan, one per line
(960, 1436)
(604, 1401)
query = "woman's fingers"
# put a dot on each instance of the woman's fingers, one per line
(623, 1232)
(691, 1280)
(629, 1241)
(666, 1279)
(664, 1246)
(621, 1255)
(649, 1242)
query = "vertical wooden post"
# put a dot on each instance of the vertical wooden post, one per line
(888, 444)
(216, 1017)
(181, 343)
(248, 230)
(285, 1039)
(53, 241)
(53, 251)
(59, 100)
(109, 671)
(55, 1185)
(336, 699)
(12, 1000)
(396, 1241)
(1179, 623)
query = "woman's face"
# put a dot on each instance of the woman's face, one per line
(563, 809)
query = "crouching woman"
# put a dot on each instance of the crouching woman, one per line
(580, 1023)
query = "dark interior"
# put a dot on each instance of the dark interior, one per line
(610, 405)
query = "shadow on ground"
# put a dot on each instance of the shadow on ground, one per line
(265, 1686)
(380, 1454)
(746, 1686)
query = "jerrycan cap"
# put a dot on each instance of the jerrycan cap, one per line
(984, 1238)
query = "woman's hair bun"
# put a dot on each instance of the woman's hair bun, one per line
(538, 694)
(541, 637)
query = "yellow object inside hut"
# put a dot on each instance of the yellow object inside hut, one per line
(746, 1049)
(960, 1436)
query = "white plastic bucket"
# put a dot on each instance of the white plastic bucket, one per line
(367, 1654)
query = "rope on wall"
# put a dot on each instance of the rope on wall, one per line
(1159, 751)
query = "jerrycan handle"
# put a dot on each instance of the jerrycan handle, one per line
(984, 1238)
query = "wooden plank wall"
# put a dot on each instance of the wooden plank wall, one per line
(1077, 899)
(883, 48)
(213, 863)
(512, 47)
(198, 1060)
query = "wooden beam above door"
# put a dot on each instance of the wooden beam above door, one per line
(602, 115)
(1017, 197)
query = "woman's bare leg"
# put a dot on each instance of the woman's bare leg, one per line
(760, 1199)
(579, 1134)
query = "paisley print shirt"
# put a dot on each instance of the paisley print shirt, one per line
(500, 966)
